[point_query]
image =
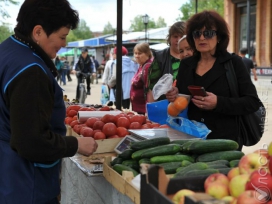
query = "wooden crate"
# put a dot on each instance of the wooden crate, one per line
(68, 130)
(121, 183)
(104, 146)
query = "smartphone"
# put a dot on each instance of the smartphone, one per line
(197, 90)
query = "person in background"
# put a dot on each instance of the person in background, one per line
(129, 69)
(85, 66)
(106, 77)
(59, 65)
(143, 57)
(166, 60)
(184, 48)
(248, 63)
(95, 69)
(208, 36)
(33, 137)
(64, 69)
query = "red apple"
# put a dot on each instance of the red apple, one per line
(263, 152)
(229, 199)
(216, 178)
(251, 162)
(217, 190)
(250, 197)
(233, 172)
(270, 164)
(237, 184)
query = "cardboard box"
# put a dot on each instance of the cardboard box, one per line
(104, 146)
(157, 188)
(121, 182)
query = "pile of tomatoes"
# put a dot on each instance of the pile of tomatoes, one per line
(109, 126)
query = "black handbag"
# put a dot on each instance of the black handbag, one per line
(251, 126)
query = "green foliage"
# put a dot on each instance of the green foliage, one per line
(82, 32)
(108, 29)
(3, 3)
(5, 32)
(188, 9)
(138, 25)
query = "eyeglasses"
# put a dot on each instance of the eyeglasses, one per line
(208, 34)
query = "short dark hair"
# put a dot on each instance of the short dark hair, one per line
(243, 50)
(208, 19)
(176, 28)
(50, 14)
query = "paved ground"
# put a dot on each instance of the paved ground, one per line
(263, 86)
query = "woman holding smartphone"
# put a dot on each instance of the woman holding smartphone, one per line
(208, 36)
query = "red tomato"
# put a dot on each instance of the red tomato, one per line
(98, 125)
(90, 122)
(113, 136)
(108, 118)
(68, 120)
(136, 118)
(155, 125)
(75, 117)
(72, 107)
(99, 136)
(86, 131)
(72, 113)
(130, 113)
(163, 126)
(74, 122)
(118, 116)
(122, 132)
(146, 126)
(78, 127)
(123, 122)
(135, 125)
(105, 108)
(143, 117)
(83, 109)
(109, 129)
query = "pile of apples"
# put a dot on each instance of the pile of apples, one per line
(109, 126)
(249, 183)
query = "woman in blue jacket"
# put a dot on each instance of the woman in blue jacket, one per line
(32, 131)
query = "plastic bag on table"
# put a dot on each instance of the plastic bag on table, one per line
(162, 86)
(104, 94)
(190, 127)
(157, 111)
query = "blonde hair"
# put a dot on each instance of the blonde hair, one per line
(144, 48)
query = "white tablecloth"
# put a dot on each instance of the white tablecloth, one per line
(79, 188)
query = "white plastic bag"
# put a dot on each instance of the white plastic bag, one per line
(162, 86)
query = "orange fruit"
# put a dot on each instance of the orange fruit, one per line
(172, 111)
(180, 103)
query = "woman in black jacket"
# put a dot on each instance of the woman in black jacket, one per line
(208, 35)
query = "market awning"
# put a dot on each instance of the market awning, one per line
(92, 42)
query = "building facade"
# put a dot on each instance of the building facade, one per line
(250, 23)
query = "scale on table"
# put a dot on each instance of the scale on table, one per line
(138, 135)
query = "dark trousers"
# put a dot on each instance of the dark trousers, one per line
(126, 103)
(68, 75)
(79, 80)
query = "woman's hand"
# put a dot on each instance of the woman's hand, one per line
(208, 102)
(172, 94)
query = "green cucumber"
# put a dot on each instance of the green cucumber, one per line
(168, 149)
(185, 146)
(221, 161)
(194, 166)
(170, 158)
(225, 155)
(126, 154)
(180, 168)
(144, 161)
(185, 163)
(170, 167)
(196, 172)
(234, 163)
(212, 145)
(217, 166)
(132, 163)
(137, 155)
(116, 160)
(181, 142)
(154, 142)
(119, 168)
(224, 170)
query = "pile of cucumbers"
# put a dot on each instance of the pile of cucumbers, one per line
(183, 158)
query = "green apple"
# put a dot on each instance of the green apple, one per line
(233, 172)
(216, 178)
(237, 184)
(217, 190)
(270, 149)
(229, 199)
(252, 162)
(179, 196)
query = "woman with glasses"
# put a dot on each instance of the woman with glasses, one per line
(208, 36)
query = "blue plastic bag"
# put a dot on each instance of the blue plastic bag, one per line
(157, 111)
(104, 94)
(190, 127)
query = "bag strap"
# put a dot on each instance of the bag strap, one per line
(231, 77)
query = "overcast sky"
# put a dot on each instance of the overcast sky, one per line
(97, 13)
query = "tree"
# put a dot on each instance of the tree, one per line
(188, 9)
(108, 29)
(5, 32)
(81, 33)
(3, 12)
(138, 25)
(160, 23)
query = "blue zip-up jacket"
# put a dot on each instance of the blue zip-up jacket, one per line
(32, 131)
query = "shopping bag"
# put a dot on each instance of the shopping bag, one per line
(157, 111)
(104, 94)
(190, 127)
